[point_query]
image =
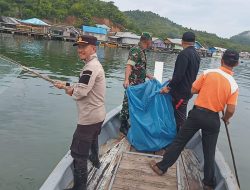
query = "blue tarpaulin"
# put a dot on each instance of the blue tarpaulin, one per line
(151, 117)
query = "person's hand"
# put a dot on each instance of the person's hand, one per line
(69, 90)
(225, 120)
(165, 90)
(126, 84)
(150, 76)
(59, 84)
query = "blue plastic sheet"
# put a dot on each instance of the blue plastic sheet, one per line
(151, 117)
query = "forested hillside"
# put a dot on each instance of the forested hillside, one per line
(162, 27)
(85, 12)
(243, 38)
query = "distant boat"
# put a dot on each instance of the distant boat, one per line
(122, 167)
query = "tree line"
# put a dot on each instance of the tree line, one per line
(86, 10)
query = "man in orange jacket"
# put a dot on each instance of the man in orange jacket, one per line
(216, 89)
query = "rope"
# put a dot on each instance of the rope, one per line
(231, 149)
(26, 68)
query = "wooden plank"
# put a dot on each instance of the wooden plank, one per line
(142, 185)
(182, 180)
(134, 173)
(99, 178)
(192, 170)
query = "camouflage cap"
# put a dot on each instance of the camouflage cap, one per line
(146, 36)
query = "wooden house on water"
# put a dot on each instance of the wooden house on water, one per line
(33, 27)
(173, 45)
(125, 39)
(158, 43)
(62, 32)
(99, 33)
(8, 24)
(216, 52)
(200, 49)
(244, 55)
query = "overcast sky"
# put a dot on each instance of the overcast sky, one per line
(222, 17)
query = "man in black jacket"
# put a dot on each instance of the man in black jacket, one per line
(186, 68)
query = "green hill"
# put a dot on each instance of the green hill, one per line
(59, 10)
(243, 38)
(85, 12)
(163, 27)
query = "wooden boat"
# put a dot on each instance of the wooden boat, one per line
(124, 168)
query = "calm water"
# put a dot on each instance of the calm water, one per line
(37, 121)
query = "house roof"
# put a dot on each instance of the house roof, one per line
(92, 29)
(114, 37)
(127, 35)
(34, 21)
(175, 41)
(9, 20)
(198, 45)
(220, 49)
(102, 26)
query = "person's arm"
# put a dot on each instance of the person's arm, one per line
(132, 60)
(231, 105)
(127, 74)
(85, 84)
(229, 113)
(64, 85)
(181, 65)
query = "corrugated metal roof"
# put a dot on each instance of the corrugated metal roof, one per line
(127, 35)
(220, 49)
(175, 41)
(114, 37)
(95, 30)
(9, 20)
(34, 21)
(154, 39)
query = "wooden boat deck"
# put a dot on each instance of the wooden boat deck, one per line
(133, 173)
(126, 169)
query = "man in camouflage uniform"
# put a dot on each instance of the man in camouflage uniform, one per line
(135, 74)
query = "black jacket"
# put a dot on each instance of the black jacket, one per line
(186, 68)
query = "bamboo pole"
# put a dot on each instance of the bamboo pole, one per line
(26, 69)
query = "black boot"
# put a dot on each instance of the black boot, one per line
(94, 156)
(95, 161)
(80, 180)
(124, 127)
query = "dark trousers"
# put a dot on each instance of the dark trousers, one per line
(209, 123)
(85, 139)
(180, 111)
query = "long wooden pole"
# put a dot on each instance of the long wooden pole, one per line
(27, 69)
(232, 153)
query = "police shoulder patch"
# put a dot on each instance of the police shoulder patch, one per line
(85, 78)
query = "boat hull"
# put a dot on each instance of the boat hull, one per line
(62, 175)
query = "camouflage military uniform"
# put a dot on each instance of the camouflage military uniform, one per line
(137, 58)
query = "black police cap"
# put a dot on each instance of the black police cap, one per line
(188, 37)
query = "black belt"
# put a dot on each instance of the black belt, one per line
(204, 109)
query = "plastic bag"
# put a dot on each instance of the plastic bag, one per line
(151, 117)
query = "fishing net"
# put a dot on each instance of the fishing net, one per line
(8, 73)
